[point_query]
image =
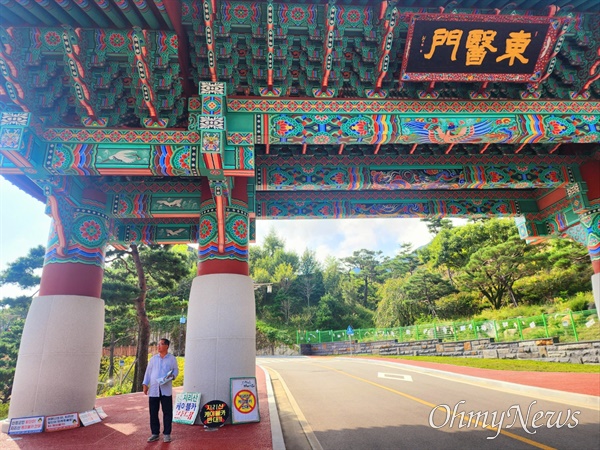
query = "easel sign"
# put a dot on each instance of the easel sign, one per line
(244, 400)
(187, 405)
(62, 422)
(26, 425)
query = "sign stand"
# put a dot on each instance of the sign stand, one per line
(214, 414)
(244, 400)
(26, 425)
(187, 405)
(350, 333)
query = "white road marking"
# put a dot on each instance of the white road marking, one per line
(394, 376)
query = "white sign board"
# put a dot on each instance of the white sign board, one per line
(187, 405)
(244, 400)
(89, 417)
(101, 412)
(26, 425)
(62, 422)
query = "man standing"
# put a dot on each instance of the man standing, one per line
(161, 371)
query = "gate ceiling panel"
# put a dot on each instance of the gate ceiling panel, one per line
(310, 101)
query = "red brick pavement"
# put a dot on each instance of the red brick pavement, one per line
(127, 428)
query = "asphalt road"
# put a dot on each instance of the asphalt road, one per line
(345, 403)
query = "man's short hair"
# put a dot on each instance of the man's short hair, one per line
(166, 342)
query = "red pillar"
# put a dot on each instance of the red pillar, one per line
(74, 262)
(232, 218)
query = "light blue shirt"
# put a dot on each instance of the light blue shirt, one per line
(158, 368)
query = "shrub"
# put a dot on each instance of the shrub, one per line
(510, 312)
(268, 337)
(4, 410)
(580, 302)
(454, 306)
(123, 377)
(542, 287)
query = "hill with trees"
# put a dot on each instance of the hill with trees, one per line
(463, 271)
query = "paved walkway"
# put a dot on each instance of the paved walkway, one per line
(126, 427)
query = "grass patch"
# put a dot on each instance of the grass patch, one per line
(505, 364)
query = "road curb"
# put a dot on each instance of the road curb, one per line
(296, 430)
(276, 432)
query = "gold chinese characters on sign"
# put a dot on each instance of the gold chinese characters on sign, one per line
(455, 47)
(478, 43)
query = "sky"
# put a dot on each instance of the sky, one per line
(23, 225)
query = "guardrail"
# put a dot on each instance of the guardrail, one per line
(568, 327)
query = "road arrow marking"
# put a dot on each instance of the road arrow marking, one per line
(394, 376)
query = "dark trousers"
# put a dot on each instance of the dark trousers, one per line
(166, 403)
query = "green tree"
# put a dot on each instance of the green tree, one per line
(268, 337)
(10, 340)
(262, 279)
(273, 243)
(494, 270)
(22, 273)
(565, 253)
(427, 287)
(366, 265)
(283, 278)
(396, 307)
(452, 248)
(155, 269)
(120, 325)
(333, 314)
(564, 270)
(437, 224)
(404, 262)
(274, 270)
(308, 269)
(332, 277)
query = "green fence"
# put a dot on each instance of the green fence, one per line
(568, 327)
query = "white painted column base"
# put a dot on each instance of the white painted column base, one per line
(59, 357)
(221, 335)
(596, 290)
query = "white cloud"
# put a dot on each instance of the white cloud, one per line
(341, 237)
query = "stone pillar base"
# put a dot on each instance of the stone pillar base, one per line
(596, 290)
(59, 357)
(221, 335)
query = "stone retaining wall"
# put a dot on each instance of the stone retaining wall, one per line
(281, 350)
(539, 349)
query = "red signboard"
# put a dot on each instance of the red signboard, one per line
(475, 47)
(62, 422)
